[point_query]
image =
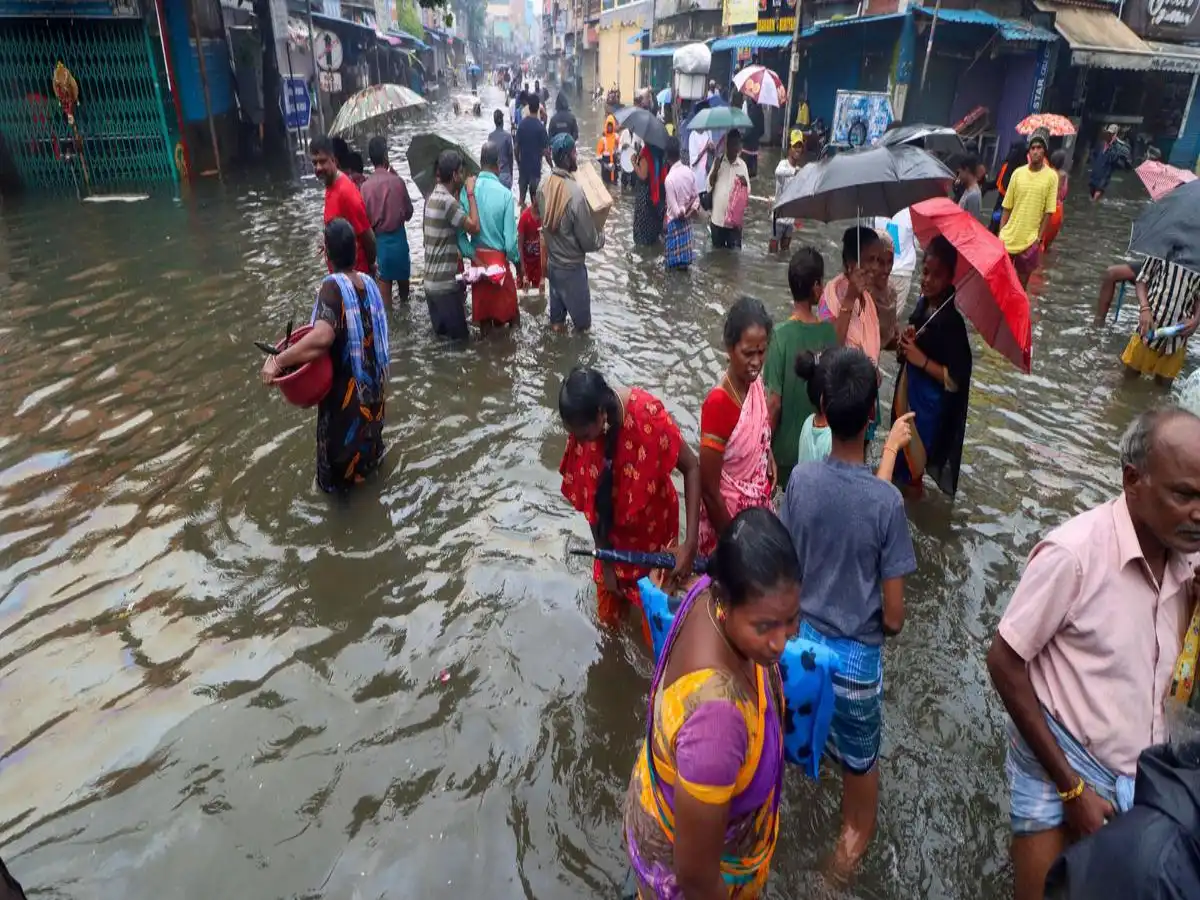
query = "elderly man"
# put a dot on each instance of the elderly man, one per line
(494, 244)
(569, 233)
(1085, 653)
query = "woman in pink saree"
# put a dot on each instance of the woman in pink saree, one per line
(847, 301)
(737, 470)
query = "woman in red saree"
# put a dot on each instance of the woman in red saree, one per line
(623, 447)
(737, 470)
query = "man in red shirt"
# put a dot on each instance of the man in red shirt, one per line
(343, 201)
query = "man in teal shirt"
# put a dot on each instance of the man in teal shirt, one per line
(495, 244)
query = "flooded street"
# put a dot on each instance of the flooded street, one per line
(214, 682)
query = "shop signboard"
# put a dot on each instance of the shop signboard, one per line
(1041, 75)
(777, 16)
(297, 105)
(1164, 20)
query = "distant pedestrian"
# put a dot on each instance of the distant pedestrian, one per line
(648, 174)
(494, 244)
(1018, 155)
(532, 147)
(682, 203)
(343, 201)
(533, 253)
(729, 183)
(1058, 159)
(445, 296)
(855, 549)
(504, 147)
(1086, 652)
(1029, 202)
(788, 168)
(967, 167)
(563, 120)
(388, 207)
(569, 233)
(1104, 161)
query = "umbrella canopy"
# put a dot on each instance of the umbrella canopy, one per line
(761, 85)
(1160, 179)
(720, 118)
(876, 181)
(1167, 229)
(370, 105)
(938, 139)
(987, 289)
(1054, 125)
(474, 69)
(644, 124)
(663, 97)
(422, 157)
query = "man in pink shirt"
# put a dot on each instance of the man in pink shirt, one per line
(1084, 654)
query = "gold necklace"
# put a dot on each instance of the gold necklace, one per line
(721, 631)
(738, 398)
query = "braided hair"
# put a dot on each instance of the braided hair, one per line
(583, 396)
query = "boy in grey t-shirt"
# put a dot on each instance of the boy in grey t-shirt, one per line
(854, 547)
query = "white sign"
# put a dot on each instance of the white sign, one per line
(1171, 13)
(328, 47)
(331, 82)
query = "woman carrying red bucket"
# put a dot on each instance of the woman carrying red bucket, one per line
(339, 361)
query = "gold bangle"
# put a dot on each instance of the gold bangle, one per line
(1073, 793)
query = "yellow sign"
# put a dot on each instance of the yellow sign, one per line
(739, 12)
(782, 26)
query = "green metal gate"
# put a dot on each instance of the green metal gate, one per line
(120, 136)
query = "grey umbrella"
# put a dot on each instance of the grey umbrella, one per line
(1167, 229)
(423, 153)
(877, 181)
(937, 139)
(644, 124)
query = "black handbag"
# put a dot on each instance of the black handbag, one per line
(706, 201)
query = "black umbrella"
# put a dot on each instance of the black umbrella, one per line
(422, 155)
(644, 124)
(1167, 229)
(939, 139)
(877, 181)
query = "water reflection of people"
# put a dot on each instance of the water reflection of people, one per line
(935, 376)
(616, 470)
(1085, 654)
(703, 806)
(350, 324)
(736, 467)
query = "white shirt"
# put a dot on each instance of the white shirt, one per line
(903, 239)
(697, 141)
(724, 187)
(784, 172)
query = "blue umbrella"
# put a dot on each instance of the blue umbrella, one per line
(474, 69)
(664, 96)
(642, 559)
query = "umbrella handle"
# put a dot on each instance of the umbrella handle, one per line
(1120, 297)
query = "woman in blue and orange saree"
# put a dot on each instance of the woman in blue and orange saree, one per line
(934, 381)
(350, 324)
(710, 771)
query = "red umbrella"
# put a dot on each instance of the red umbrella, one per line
(987, 289)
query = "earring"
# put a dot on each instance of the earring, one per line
(721, 613)
(604, 427)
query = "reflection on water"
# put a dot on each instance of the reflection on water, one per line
(215, 683)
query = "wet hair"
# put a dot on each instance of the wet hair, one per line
(489, 155)
(448, 162)
(968, 161)
(856, 239)
(1138, 440)
(806, 269)
(377, 150)
(321, 144)
(1058, 159)
(584, 394)
(341, 150)
(849, 389)
(743, 315)
(754, 554)
(673, 150)
(941, 249)
(808, 370)
(734, 135)
(534, 102)
(498, 118)
(340, 245)
(354, 162)
(1017, 153)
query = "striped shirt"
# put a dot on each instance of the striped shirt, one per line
(1172, 292)
(443, 218)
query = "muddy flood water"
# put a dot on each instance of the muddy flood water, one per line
(214, 682)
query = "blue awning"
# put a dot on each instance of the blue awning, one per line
(412, 38)
(335, 23)
(852, 20)
(751, 41)
(655, 51)
(637, 38)
(1010, 29)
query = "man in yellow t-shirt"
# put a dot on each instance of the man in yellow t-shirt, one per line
(1031, 199)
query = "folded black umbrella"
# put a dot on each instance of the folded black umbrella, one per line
(642, 558)
(876, 181)
(938, 139)
(644, 124)
(1167, 229)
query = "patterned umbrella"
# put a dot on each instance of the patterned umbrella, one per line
(1160, 179)
(1054, 125)
(373, 103)
(761, 85)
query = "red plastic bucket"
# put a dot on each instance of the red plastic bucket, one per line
(308, 385)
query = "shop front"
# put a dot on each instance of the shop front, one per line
(1168, 27)
(622, 31)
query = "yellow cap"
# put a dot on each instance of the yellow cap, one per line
(797, 137)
